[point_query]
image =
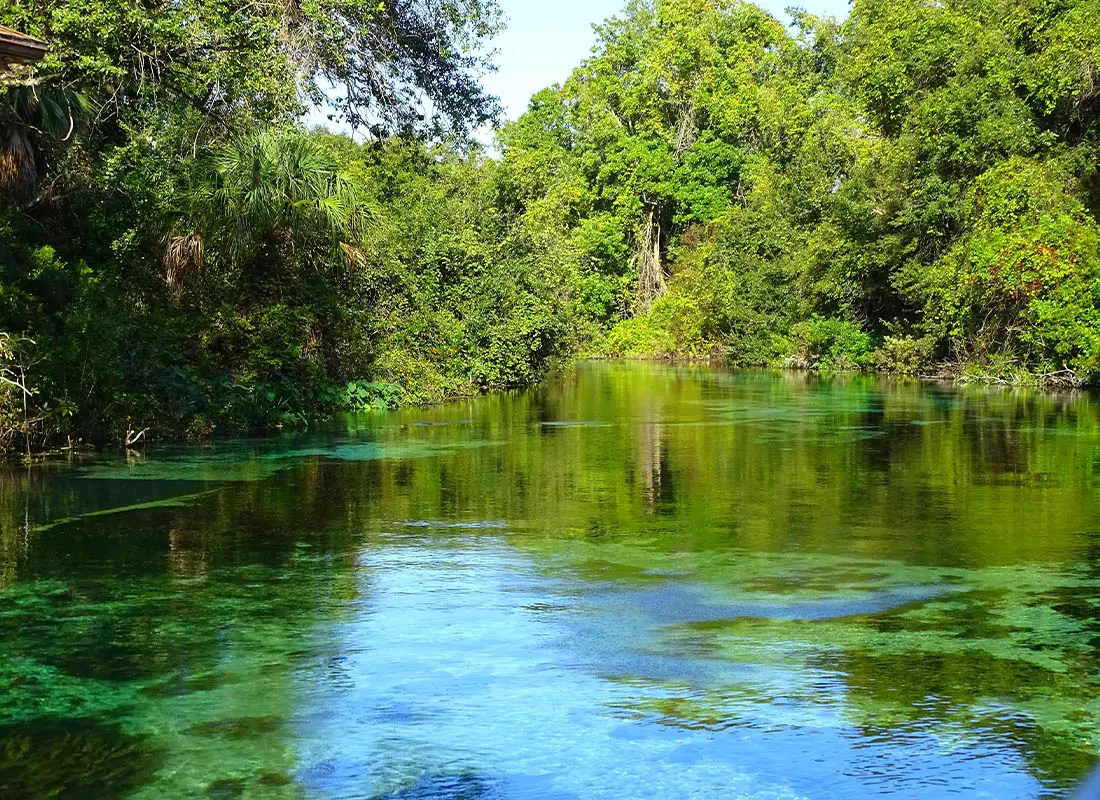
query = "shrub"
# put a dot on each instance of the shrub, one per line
(1024, 286)
(673, 326)
(905, 355)
(366, 396)
(832, 345)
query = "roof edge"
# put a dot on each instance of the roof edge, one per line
(18, 47)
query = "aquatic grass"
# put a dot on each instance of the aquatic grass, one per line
(182, 501)
(234, 467)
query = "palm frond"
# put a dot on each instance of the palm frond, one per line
(31, 115)
(18, 164)
(270, 186)
(183, 256)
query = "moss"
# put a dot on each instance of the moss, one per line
(225, 789)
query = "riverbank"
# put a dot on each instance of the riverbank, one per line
(356, 397)
(956, 373)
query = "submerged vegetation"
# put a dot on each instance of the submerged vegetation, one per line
(833, 581)
(915, 189)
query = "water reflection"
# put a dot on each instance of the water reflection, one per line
(637, 581)
(624, 687)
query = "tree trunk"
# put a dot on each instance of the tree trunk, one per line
(685, 132)
(651, 276)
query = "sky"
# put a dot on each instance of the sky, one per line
(544, 40)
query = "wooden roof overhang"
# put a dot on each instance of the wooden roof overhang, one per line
(16, 48)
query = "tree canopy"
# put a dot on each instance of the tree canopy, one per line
(398, 63)
(920, 180)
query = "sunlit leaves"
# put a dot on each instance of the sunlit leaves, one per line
(271, 188)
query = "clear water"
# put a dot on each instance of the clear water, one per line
(636, 581)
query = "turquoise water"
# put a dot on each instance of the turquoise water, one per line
(636, 581)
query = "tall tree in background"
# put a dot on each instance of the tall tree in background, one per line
(664, 116)
(920, 181)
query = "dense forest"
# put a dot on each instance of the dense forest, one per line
(915, 189)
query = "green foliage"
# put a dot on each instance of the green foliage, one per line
(912, 188)
(921, 177)
(672, 326)
(831, 345)
(366, 396)
(1024, 283)
(905, 355)
(16, 392)
(271, 190)
(212, 58)
(189, 260)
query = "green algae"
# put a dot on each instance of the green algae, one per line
(173, 502)
(243, 465)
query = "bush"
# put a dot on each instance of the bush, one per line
(1024, 286)
(673, 326)
(361, 396)
(905, 355)
(831, 345)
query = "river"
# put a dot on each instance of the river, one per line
(634, 581)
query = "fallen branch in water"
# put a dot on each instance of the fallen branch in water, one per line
(133, 437)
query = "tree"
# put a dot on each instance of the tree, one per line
(259, 195)
(32, 119)
(662, 119)
(264, 60)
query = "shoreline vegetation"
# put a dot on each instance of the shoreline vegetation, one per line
(966, 374)
(914, 190)
(947, 375)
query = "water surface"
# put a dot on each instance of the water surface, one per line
(636, 581)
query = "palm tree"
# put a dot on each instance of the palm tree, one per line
(31, 115)
(264, 191)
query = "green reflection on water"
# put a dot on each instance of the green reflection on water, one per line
(708, 554)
